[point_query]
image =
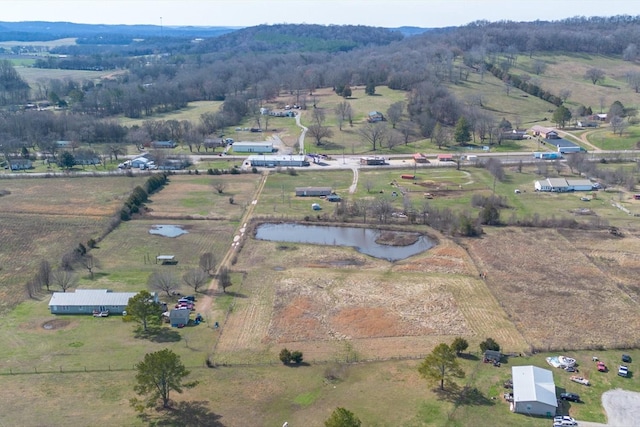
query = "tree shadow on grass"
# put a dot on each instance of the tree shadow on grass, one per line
(468, 356)
(457, 395)
(473, 396)
(234, 294)
(157, 334)
(191, 414)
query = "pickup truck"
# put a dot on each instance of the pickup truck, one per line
(623, 371)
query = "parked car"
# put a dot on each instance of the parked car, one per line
(623, 371)
(571, 397)
(601, 366)
(564, 420)
(626, 358)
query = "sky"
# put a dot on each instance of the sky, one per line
(246, 13)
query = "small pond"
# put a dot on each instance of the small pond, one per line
(362, 239)
(168, 230)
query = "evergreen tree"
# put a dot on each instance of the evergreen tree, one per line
(462, 132)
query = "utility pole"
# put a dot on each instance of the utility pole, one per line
(161, 27)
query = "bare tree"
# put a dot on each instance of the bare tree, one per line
(317, 129)
(65, 279)
(207, 262)
(539, 67)
(44, 276)
(163, 281)
(594, 74)
(394, 113)
(89, 262)
(343, 113)
(219, 186)
(224, 279)
(382, 208)
(373, 133)
(633, 78)
(564, 94)
(195, 278)
(618, 125)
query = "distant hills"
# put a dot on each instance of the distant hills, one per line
(46, 31)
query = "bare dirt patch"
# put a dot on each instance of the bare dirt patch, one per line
(361, 306)
(54, 324)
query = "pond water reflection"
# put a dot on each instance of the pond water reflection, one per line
(168, 230)
(362, 239)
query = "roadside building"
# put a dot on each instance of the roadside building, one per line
(253, 147)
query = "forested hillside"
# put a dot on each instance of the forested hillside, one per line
(251, 66)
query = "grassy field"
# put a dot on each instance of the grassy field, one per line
(332, 303)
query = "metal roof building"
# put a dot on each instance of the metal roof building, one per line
(278, 161)
(534, 391)
(85, 301)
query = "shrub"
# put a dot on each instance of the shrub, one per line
(489, 344)
(285, 356)
(296, 356)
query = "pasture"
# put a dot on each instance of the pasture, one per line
(332, 303)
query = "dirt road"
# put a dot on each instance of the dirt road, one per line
(205, 303)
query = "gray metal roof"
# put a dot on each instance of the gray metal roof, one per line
(91, 297)
(533, 384)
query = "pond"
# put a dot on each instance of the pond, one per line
(362, 239)
(168, 230)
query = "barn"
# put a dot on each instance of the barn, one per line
(534, 392)
(253, 147)
(86, 301)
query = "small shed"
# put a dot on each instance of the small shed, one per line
(313, 191)
(179, 317)
(166, 259)
(375, 116)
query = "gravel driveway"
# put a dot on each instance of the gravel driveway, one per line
(622, 408)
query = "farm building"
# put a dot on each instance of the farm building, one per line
(86, 301)
(163, 144)
(546, 133)
(20, 164)
(534, 392)
(253, 147)
(375, 116)
(562, 185)
(580, 184)
(179, 317)
(492, 356)
(420, 158)
(313, 191)
(275, 161)
(372, 161)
